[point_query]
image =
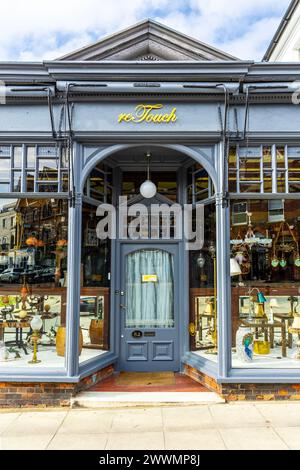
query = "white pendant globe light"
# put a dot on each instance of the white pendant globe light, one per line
(148, 188)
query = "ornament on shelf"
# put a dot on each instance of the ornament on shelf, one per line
(244, 344)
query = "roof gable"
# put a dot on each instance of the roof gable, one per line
(148, 40)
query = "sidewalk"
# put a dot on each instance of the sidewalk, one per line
(221, 426)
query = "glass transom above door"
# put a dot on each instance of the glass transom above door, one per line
(150, 289)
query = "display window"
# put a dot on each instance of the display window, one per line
(203, 327)
(95, 279)
(33, 282)
(265, 287)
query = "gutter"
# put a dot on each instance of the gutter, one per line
(280, 30)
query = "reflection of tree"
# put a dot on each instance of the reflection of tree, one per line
(41, 231)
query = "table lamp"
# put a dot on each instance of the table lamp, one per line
(36, 325)
(235, 269)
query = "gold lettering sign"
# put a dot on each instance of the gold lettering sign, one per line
(149, 113)
(149, 278)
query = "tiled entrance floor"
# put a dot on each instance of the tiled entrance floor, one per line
(148, 382)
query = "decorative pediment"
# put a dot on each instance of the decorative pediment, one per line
(148, 41)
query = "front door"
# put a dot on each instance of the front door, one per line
(149, 308)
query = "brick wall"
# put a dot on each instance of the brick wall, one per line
(248, 391)
(16, 394)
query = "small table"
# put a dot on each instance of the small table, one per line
(286, 318)
(268, 331)
(18, 325)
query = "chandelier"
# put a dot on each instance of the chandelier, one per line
(251, 239)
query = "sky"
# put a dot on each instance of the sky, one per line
(35, 30)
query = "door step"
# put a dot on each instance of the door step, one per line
(132, 399)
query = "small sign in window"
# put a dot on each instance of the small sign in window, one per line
(149, 278)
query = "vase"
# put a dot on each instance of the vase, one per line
(96, 331)
(61, 341)
(244, 344)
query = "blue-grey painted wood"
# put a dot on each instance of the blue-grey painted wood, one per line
(155, 353)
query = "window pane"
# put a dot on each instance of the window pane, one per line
(294, 187)
(149, 303)
(267, 181)
(33, 270)
(232, 157)
(232, 184)
(4, 168)
(95, 287)
(48, 188)
(17, 161)
(4, 187)
(280, 157)
(47, 169)
(30, 158)
(202, 277)
(267, 157)
(47, 151)
(29, 181)
(17, 181)
(281, 181)
(265, 274)
(250, 188)
(64, 182)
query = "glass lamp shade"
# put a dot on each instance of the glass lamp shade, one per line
(274, 303)
(235, 269)
(201, 260)
(261, 298)
(36, 323)
(148, 189)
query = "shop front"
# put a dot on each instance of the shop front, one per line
(149, 221)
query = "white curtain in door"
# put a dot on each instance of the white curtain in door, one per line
(149, 304)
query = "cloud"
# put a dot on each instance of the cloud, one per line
(35, 30)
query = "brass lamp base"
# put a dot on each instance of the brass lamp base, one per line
(214, 350)
(34, 340)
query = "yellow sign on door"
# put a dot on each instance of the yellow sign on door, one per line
(149, 278)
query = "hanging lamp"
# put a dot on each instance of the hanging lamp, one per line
(148, 188)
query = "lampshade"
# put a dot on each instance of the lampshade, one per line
(235, 269)
(209, 309)
(201, 260)
(148, 189)
(274, 303)
(36, 323)
(261, 298)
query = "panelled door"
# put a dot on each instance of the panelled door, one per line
(149, 308)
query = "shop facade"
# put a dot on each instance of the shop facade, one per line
(219, 138)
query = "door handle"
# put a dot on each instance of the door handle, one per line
(123, 306)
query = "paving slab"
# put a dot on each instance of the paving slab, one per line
(25, 442)
(252, 439)
(138, 441)
(280, 414)
(187, 418)
(290, 435)
(78, 442)
(86, 422)
(137, 420)
(206, 439)
(35, 424)
(6, 419)
(237, 415)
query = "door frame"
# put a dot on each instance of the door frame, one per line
(182, 317)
